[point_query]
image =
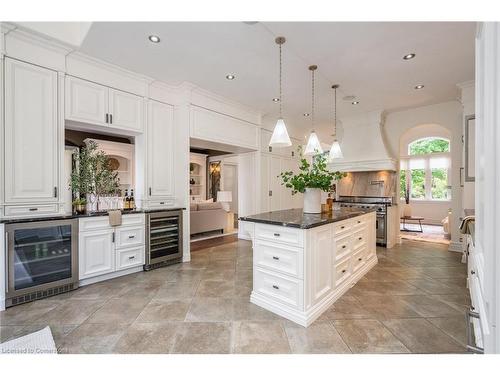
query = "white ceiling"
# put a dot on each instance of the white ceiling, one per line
(364, 58)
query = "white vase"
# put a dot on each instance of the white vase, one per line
(312, 201)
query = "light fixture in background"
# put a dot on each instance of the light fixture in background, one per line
(154, 39)
(419, 87)
(280, 137)
(230, 77)
(335, 150)
(355, 102)
(313, 146)
(409, 56)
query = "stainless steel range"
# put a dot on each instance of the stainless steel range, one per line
(379, 203)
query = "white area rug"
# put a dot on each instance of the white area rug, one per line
(40, 342)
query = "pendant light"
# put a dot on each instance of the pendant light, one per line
(335, 151)
(313, 146)
(280, 136)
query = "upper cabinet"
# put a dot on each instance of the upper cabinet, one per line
(160, 149)
(31, 133)
(95, 104)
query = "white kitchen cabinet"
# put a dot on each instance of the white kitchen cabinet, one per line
(320, 264)
(100, 105)
(96, 253)
(274, 183)
(126, 110)
(31, 133)
(264, 182)
(160, 141)
(86, 101)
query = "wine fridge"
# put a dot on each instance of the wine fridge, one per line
(42, 259)
(163, 238)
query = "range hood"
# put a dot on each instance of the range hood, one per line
(363, 145)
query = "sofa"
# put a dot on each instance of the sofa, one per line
(207, 217)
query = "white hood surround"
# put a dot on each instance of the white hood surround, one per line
(363, 145)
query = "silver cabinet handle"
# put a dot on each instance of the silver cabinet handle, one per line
(270, 149)
(131, 236)
(343, 246)
(276, 258)
(149, 191)
(360, 238)
(131, 257)
(110, 118)
(468, 332)
(277, 234)
(107, 118)
(7, 286)
(55, 191)
(162, 202)
(343, 271)
(33, 209)
(113, 237)
(342, 227)
(276, 287)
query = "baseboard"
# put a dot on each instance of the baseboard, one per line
(456, 247)
(110, 276)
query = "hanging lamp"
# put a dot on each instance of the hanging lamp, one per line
(313, 146)
(335, 150)
(280, 136)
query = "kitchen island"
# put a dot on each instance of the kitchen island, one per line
(302, 263)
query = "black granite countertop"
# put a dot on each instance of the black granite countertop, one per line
(81, 216)
(295, 218)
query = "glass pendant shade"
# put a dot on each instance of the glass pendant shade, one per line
(280, 136)
(313, 146)
(335, 151)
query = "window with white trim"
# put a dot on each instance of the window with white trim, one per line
(425, 172)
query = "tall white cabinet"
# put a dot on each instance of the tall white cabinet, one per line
(31, 139)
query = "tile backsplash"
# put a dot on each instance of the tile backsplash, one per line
(378, 184)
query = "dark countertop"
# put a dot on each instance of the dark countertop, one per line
(81, 216)
(297, 219)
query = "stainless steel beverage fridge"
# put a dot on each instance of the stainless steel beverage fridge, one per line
(42, 259)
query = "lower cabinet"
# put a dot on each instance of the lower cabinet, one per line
(105, 250)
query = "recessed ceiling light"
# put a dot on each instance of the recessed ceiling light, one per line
(409, 56)
(355, 102)
(154, 39)
(419, 87)
(276, 100)
(230, 77)
(306, 114)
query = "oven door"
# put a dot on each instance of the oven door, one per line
(381, 229)
(41, 255)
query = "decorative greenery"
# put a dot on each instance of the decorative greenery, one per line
(313, 175)
(79, 202)
(93, 173)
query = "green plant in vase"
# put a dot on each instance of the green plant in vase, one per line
(312, 178)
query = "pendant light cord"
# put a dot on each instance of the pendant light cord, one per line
(312, 109)
(335, 114)
(281, 95)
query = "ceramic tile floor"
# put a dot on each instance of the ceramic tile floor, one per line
(413, 301)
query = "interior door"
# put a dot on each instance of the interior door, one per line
(126, 110)
(160, 149)
(86, 101)
(31, 133)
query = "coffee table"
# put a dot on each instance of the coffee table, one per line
(412, 218)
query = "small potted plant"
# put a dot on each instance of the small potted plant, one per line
(406, 192)
(311, 180)
(79, 205)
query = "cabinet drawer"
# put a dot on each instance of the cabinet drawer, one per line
(31, 210)
(102, 222)
(278, 257)
(359, 223)
(342, 248)
(358, 259)
(358, 240)
(162, 203)
(127, 258)
(129, 236)
(342, 227)
(284, 235)
(283, 289)
(342, 272)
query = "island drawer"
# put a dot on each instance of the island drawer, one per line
(129, 236)
(358, 259)
(342, 247)
(342, 227)
(283, 289)
(342, 271)
(279, 257)
(359, 239)
(360, 223)
(279, 234)
(127, 258)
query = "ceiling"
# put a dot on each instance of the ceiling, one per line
(364, 58)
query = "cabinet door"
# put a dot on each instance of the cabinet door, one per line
(264, 183)
(320, 273)
(160, 149)
(287, 199)
(31, 133)
(126, 110)
(96, 253)
(86, 101)
(274, 183)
